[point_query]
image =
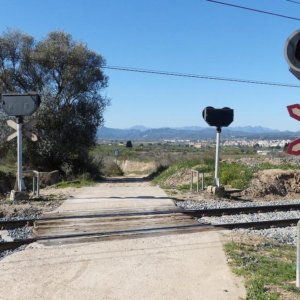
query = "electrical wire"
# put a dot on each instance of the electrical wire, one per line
(293, 1)
(197, 76)
(254, 10)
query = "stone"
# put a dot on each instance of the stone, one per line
(218, 191)
(18, 196)
(209, 189)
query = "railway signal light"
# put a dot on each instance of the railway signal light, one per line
(19, 105)
(292, 56)
(292, 53)
(218, 117)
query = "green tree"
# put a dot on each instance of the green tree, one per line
(129, 144)
(69, 78)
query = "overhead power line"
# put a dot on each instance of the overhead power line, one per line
(297, 2)
(254, 10)
(197, 76)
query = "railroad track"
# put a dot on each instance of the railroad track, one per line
(117, 225)
(12, 224)
(92, 236)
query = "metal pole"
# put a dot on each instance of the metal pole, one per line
(33, 184)
(192, 179)
(202, 181)
(19, 152)
(38, 184)
(217, 171)
(197, 182)
(298, 256)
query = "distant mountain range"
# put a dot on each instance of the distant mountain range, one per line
(192, 133)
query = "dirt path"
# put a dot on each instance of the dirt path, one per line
(186, 266)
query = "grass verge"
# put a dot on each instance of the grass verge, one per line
(236, 175)
(269, 268)
(165, 172)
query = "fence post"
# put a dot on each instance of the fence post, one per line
(33, 185)
(197, 183)
(38, 184)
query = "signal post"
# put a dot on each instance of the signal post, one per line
(218, 117)
(292, 56)
(20, 182)
(19, 106)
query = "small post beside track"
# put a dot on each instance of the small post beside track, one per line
(197, 176)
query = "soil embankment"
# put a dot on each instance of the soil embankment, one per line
(274, 183)
(131, 167)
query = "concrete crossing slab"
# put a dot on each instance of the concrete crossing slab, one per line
(185, 266)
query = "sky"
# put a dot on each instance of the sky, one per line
(186, 36)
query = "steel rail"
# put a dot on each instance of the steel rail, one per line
(238, 210)
(12, 224)
(178, 229)
(259, 224)
(19, 242)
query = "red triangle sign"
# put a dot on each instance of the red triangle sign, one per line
(294, 111)
(294, 147)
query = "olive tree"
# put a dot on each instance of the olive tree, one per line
(69, 77)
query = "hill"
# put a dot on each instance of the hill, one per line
(191, 133)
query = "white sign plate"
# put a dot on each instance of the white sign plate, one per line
(12, 136)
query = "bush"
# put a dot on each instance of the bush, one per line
(236, 175)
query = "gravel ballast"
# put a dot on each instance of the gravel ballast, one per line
(21, 233)
(286, 235)
(208, 204)
(256, 217)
